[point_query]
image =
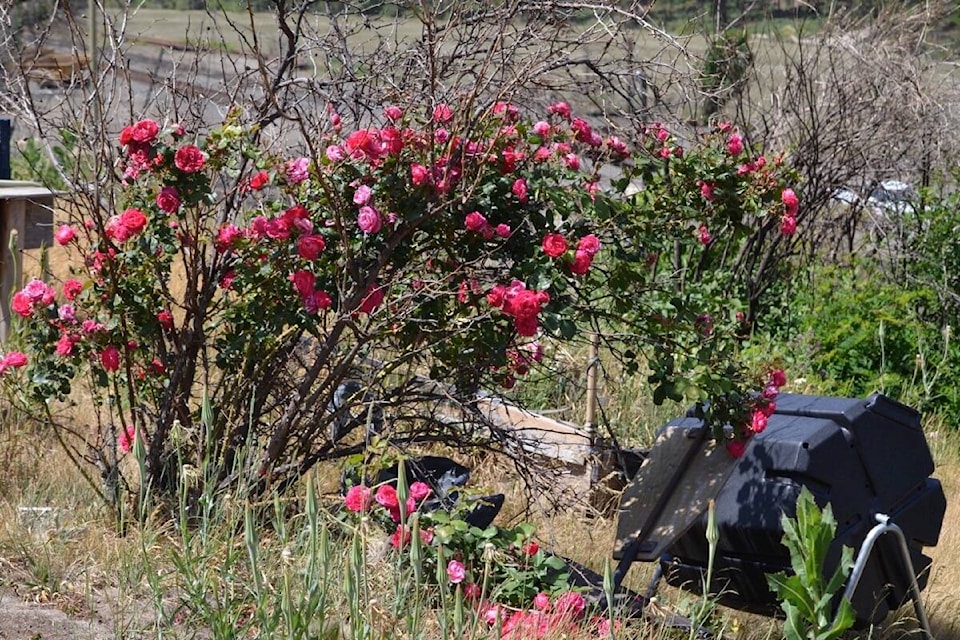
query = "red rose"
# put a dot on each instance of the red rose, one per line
(189, 158)
(134, 220)
(168, 200)
(259, 180)
(21, 304)
(581, 263)
(309, 247)
(144, 131)
(303, 282)
(110, 358)
(554, 245)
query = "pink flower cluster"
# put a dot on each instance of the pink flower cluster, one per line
(520, 303)
(139, 140)
(762, 409)
(360, 499)
(37, 294)
(12, 360)
(546, 619)
(791, 204)
(128, 224)
(555, 245)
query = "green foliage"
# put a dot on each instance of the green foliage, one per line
(807, 597)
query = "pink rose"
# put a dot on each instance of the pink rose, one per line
(442, 114)
(735, 144)
(168, 200)
(790, 201)
(393, 112)
(335, 153)
(456, 571)
(362, 195)
(572, 161)
(589, 244)
(364, 144)
(165, 318)
(189, 158)
(475, 221)
(317, 300)
(562, 109)
(303, 282)
(15, 359)
(419, 174)
(541, 602)
(503, 230)
(297, 170)
(358, 499)
(227, 235)
(126, 438)
(71, 289)
(520, 189)
(706, 190)
(570, 604)
(554, 245)
(65, 346)
(134, 220)
(542, 129)
(419, 491)
(788, 225)
(369, 220)
(778, 378)
(64, 235)
(704, 235)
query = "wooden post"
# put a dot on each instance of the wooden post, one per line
(26, 222)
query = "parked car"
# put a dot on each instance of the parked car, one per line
(890, 196)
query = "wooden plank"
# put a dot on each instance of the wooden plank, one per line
(699, 482)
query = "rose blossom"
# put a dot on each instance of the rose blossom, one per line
(393, 112)
(335, 153)
(735, 144)
(65, 346)
(358, 498)
(64, 235)
(362, 195)
(554, 245)
(442, 114)
(562, 109)
(144, 131)
(419, 174)
(372, 300)
(189, 158)
(368, 219)
(520, 189)
(475, 221)
(168, 200)
(582, 262)
(456, 571)
(589, 244)
(110, 358)
(259, 180)
(788, 225)
(309, 247)
(503, 230)
(71, 289)
(126, 438)
(297, 170)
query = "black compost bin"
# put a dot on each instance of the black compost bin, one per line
(864, 457)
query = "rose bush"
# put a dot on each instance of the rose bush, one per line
(300, 299)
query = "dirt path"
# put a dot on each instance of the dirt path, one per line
(21, 620)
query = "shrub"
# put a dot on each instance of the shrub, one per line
(305, 298)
